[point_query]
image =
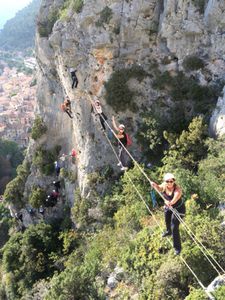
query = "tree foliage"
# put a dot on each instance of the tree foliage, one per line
(18, 33)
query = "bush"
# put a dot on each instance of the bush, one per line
(200, 4)
(44, 159)
(189, 99)
(26, 258)
(105, 16)
(149, 133)
(39, 128)
(197, 294)
(37, 197)
(67, 174)
(45, 27)
(192, 63)
(77, 5)
(15, 188)
(118, 94)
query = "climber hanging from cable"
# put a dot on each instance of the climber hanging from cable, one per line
(121, 135)
(74, 77)
(98, 108)
(57, 185)
(172, 194)
(66, 107)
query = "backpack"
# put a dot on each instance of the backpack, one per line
(129, 140)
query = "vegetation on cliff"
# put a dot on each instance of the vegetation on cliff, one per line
(76, 263)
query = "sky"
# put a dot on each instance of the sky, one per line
(8, 9)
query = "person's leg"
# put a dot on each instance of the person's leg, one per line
(123, 157)
(76, 81)
(102, 121)
(176, 234)
(68, 113)
(175, 228)
(73, 81)
(167, 216)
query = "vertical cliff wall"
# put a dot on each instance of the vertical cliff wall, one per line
(107, 35)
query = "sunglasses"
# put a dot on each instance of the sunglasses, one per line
(169, 181)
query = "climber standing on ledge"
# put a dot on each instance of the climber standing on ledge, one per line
(121, 135)
(74, 77)
(172, 194)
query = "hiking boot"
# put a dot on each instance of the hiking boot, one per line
(166, 233)
(177, 252)
(124, 168)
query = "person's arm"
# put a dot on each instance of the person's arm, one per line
(114, 124)
(157, 187)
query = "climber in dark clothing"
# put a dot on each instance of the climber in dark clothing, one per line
(74, 77)
(172, 194)
(57, 185)
(57, 168)
(66, 107)
(102, 117)
(121, 135)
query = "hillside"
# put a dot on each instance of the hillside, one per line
(84, 227)
(18, 33)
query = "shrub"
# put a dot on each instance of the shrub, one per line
(39, 128)
(197, 294)
(200, 4)
(149, 133)
(15, 188)
(186, 150)
(80, 212)
(77, 5)
(45, 27)
(37, 197)
(44, 159)
(118, 94)
(105, 16)
(192, 63)
(26, 257)
(70, 175)
(189, 99)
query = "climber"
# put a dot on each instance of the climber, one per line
(73, 155)
(41, 210)
(172, 194)
(66, 107)
(57, 168)
(74, 77)
(19, 216)
(102, 116)
(57, 185)
(121, 135)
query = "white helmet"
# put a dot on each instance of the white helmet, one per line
(168, 176)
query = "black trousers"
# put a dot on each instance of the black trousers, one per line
(172, 225)
(68, 113)
(74, 81)
(102, 118)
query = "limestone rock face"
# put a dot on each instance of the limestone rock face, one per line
(137, 32)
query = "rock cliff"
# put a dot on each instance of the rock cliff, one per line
(102, 36)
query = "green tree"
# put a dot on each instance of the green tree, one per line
(19, 32)
(186, 150)
(27, 257)
(39, 128)
(37, 197)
